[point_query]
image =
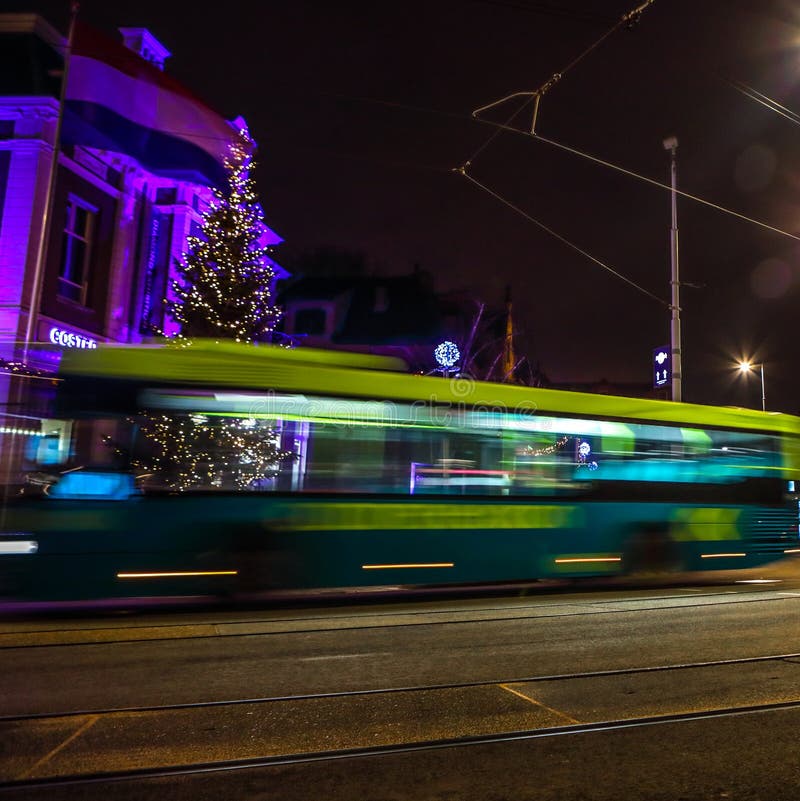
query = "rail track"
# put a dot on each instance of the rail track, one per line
(197, 715)
(266, 762)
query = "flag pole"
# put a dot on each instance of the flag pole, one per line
(41, 250)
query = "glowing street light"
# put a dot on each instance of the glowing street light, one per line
(748, 367)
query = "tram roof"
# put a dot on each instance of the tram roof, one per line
(344, 374)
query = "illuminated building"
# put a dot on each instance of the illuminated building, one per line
(117, 225)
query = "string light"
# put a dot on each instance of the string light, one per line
(223, 291)
(191, 452)
(529, 450)
(22, 369)
(446, 354)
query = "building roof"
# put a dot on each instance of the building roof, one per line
(375, 310)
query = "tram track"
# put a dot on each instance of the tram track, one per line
(793, 658)
(212, 735)
(299, 758)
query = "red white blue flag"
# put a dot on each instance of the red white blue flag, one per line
(115, 100)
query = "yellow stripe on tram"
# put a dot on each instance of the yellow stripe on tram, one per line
(719, 555)
(572, 560)
(412, 565)
(178, 574)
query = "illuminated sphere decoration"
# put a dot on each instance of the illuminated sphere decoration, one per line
(447, 354)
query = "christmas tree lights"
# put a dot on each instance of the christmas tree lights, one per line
(223, 292)
(224, 284)
(196, 452)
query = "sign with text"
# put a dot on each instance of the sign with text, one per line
(70, 339)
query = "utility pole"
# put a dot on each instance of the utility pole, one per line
(671, 144)
(509, 359)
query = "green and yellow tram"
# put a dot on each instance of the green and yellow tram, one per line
(225, 468)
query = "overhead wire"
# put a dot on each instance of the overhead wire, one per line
(501, 128)
(652, 181)
(662, 185)
(562, 239)
(764, 100)
(533, 98)
(626, 19)
(567, 148)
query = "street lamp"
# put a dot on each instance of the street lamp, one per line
(748, 367)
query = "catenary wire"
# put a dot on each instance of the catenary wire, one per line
(626, 19)
(662, 185)
(652, 181)
(564, 240)
(764, 100)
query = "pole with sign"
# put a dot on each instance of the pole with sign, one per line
(662, 367)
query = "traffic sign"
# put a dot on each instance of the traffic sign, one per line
(662, 367)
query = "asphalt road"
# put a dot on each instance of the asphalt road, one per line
(672, 692)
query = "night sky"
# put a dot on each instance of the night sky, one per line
(363, 110)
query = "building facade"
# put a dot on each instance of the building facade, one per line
(88, 256)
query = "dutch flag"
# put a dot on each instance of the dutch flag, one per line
(117, 101)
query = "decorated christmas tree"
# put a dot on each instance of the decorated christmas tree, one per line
(223, 292)
(223, 289)
(193, 451)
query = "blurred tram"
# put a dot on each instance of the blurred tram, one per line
(226, 469)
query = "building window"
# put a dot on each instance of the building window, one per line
(73, 269)
(310, 321)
